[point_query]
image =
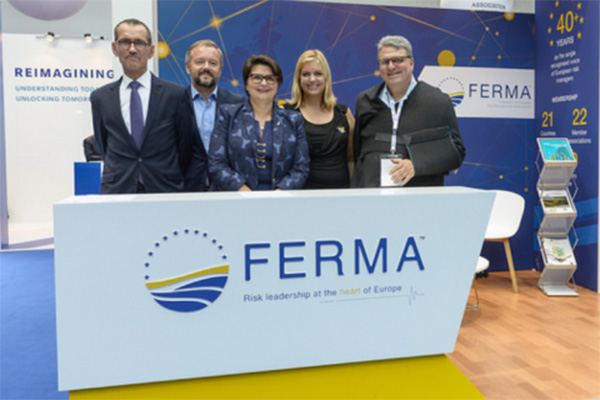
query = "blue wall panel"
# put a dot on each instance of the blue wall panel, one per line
(567, 106)
(500, 152)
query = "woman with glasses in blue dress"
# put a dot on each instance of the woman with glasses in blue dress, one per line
(257, 145)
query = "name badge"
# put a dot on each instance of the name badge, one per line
(385, 161)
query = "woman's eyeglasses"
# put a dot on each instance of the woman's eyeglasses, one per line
(256, 78)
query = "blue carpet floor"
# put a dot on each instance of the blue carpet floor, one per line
(28, 326)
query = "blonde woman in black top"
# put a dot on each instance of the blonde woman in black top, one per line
(329, 125)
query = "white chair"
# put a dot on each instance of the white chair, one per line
(482, 265)
(505, 220)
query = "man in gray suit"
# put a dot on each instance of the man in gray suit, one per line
(144, 126)
(204, 64)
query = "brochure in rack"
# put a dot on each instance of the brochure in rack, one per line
(556, 201)
(556, 150)
(558, 252)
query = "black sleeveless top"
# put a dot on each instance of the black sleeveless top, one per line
(328, 147)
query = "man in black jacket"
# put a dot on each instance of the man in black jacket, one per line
(398, 112)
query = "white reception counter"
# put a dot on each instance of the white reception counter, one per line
(162, 287)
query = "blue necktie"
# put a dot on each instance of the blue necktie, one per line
(136, 114)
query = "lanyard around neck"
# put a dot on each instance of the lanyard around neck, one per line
(395, 109)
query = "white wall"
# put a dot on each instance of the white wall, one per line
(44, 136)
(3, 197)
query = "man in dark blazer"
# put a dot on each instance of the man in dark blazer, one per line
(144, 126)
(204, 64)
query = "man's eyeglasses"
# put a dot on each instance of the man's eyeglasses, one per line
(125, 44)
(395, 61)
(256, 78)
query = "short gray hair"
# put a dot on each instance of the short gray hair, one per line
(399, 42)
(133, 22)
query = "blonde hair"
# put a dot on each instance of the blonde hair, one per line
(329, 100)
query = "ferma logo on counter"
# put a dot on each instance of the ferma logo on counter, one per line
(189, 268)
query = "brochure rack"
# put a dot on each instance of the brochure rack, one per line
(556, 236)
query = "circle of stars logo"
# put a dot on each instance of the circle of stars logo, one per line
(202, 236)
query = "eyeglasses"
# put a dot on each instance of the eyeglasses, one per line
(256, 78)
(125, 44)
(395, 61)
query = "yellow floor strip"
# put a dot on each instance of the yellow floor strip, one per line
(433, 377)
